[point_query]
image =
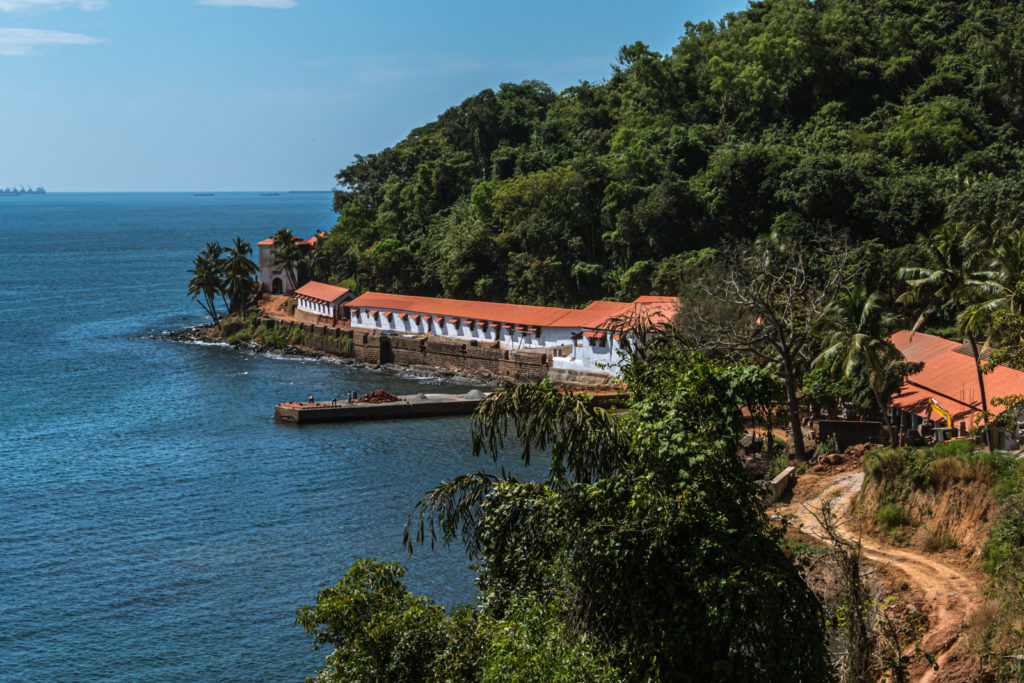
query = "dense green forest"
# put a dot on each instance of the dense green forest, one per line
(883, 119)
(809, 177)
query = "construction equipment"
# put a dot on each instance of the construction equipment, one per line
(932, 403)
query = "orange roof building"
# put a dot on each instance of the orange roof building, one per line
(950, 378)
(322, 300)
(578, 339)
(275, 278)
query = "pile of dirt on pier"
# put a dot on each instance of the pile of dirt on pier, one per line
(378, 396)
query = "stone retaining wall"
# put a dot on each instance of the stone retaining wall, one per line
(464, 356)
(318, 337)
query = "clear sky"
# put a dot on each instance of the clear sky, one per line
(219, 95)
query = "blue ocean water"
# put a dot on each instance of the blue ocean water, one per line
(155, 522)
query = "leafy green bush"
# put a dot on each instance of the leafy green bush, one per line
(239, 336)
(346, 346)
(923, 467)
(779, 462)
(890, 516)
(829, 445)
(384, 633)
(275, 337)
(887, 463)
(231, 326)
(295, 336)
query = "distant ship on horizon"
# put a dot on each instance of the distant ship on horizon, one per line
(16, 191)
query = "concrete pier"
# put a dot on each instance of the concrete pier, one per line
(409, 406)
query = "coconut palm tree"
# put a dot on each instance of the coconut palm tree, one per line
(960, 279)
(1007, 262)
(288, 254)
(856, 329)
(239, 271)
(206, 282)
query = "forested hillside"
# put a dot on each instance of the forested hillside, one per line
(882, 118)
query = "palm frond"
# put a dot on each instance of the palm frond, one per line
(585, 440)
(454, 508)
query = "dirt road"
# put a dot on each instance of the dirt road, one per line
(947, 594)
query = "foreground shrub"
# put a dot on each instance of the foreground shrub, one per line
(890, 516)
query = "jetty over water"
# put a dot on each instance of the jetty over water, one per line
(407, 406)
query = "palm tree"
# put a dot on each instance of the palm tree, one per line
(960, 279)
(239, 271)
(856, 329)
(206, 282)
(1007, 263)
(585, 443)
(288, 254)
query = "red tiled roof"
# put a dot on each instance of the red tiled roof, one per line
(599, 314)
(321, 291)
(949, 377)
(919, 347)
(269, 242)
(514, 313)
(608, 314)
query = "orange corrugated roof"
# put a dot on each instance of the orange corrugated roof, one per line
(920, 347)
(514, 313)
(597, 315)
(603, 314)
(950, 377)
(269, 242)
(321, 291)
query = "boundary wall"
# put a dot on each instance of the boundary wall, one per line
(487, 358)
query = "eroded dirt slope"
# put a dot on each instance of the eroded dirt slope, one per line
(943, 587)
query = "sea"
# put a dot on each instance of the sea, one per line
(156, 523)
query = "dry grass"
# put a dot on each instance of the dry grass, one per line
(951, 468)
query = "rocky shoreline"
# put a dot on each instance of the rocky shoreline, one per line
(208, 334)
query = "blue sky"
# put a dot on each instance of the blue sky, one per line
(219, 95)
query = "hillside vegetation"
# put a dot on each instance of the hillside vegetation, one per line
(880, 118)
(950, 497)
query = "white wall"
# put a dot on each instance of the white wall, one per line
(592, 357)
(509, 339)
(315, 308)
(585, 356)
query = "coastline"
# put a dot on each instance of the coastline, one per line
(208, 334)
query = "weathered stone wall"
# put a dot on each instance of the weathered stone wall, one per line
(851, 432)
(366, 348)
(327, 339)
(465, 356)
(318, 337)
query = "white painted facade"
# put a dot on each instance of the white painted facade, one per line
(315, 307)
(586, 353)
(592, 355)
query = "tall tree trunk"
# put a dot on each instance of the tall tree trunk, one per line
(884, 409)
(794, 412)
(981, 386)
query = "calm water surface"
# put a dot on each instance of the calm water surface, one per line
(155, 522)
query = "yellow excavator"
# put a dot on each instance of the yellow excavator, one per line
(933, 404)
(949, 433)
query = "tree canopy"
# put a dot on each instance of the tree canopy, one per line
(632, 561)
(857, 117)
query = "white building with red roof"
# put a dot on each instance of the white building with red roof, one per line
(586, 340)
(320, 301)
(274, 277)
